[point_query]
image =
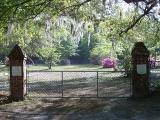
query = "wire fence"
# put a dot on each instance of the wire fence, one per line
(78, 84)
(4, 81)
(154, 79)
(154, 75)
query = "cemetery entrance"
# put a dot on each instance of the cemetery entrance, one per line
(58, 84)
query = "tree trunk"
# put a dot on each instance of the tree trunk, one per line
(50, 65)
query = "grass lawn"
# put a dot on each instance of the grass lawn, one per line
(80, 67)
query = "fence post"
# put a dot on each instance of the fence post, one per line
(97, 85)
(27, 77)
(62, 84)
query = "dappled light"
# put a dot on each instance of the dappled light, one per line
(92, 109)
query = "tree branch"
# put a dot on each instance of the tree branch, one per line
(74, 6)
(78, 5)
(44, 4)
(138, 19)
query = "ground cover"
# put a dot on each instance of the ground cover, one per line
(82, 109)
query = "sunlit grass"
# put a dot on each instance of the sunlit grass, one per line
(79, 67)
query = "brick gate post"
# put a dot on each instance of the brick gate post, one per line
(140, 70)
(17, 61)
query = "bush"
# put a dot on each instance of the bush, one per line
(109, 63)
(95, 60)
(6, 61)
(98, 53)
(152, 63)
(65, 62)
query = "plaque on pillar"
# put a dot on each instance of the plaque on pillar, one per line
(141, 69)
(16, 71)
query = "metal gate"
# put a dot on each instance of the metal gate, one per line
(78, 84)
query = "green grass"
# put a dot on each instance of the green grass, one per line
(86, 67)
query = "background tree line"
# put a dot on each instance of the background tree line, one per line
(86, 31)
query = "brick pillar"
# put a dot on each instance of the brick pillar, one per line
(140, 70)
(17, 60)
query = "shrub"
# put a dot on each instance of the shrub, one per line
(65, 62)
(6, 61)
(109, 63)
(152, 63)
(98, 53)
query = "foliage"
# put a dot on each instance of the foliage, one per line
(99, 52)
(40, 40)
(126, 58)
(109, 63)
(152, 63)
(84, 48)
(60, 29)
(67, 49)
(49, 54)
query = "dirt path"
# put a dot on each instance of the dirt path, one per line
(83, 109)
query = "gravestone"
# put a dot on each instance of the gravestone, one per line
(17, 61)
(140, 70)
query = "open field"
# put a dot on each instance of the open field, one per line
(80, 67)
(75, 67)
